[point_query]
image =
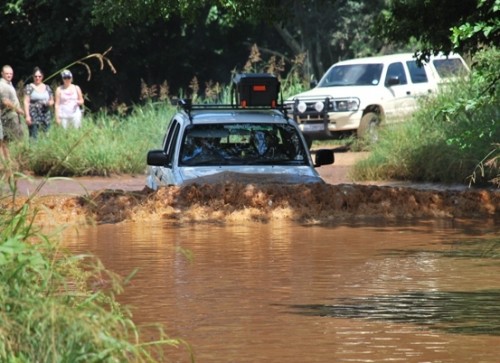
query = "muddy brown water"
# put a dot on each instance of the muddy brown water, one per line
(419, 291)
(332, 290)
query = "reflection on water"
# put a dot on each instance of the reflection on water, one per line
(475, 312)
(280, 292)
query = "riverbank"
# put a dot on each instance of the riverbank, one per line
(122, 198)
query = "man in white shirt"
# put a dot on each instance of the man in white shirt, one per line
(10, 106)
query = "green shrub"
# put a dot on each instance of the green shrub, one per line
(55, 307)
(448, 137)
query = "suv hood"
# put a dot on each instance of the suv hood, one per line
(251, 175)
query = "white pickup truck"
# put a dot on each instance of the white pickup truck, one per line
(359, 94)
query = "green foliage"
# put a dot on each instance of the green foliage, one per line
(449, 136)
(481, 27)
(441, 25)
(55, 307)
(224, 12)
(105, 144)
(178, 40)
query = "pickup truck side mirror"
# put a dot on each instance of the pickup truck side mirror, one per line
(324, 157)
(392, 81)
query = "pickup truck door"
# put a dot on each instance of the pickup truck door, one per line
(423, 83)
(403, 100)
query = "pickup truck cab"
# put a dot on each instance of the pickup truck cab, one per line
(359, 94)
(250, 141)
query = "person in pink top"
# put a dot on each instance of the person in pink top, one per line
(69, 100)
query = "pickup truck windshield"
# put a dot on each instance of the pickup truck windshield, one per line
(352, 75)
(242, 144)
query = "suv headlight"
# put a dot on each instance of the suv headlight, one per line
(346, 104)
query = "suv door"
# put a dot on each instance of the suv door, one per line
(166, 173)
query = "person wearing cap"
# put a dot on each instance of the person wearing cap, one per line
(10, 107)
(69, 100)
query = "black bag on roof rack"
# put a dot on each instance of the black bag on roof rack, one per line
(256, 90)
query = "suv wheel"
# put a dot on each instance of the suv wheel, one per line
(368, 127)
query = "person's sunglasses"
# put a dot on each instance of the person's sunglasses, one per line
(66, 77)
(37, 76)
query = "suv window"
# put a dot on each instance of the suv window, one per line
(395, 71)
(417, 73)
(353, 75)
(450, 67)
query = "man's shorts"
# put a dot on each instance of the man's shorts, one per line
(1, 131)
(12, 128)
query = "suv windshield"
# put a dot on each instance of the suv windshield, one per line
(242, 144)
(352, 75)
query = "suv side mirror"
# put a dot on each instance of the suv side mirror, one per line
(324, 157)
(313, 83)
(157, 158)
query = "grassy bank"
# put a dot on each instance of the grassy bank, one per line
(56, 307)
(105, 145)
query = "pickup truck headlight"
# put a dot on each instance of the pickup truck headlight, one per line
(319, 106)
(347, 104)
(301, 107)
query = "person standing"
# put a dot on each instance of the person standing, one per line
(11, 108)
(38, 99)
(69, 99)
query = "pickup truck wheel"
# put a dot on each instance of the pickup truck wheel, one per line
(368, 127)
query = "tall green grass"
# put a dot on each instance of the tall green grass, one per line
(453, 137)
(56, 307)
(106, 144)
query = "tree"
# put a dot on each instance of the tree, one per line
(158, 40)
(475, 23)
(325, 31)
(482, 27)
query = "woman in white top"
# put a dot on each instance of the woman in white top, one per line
(69, 99)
